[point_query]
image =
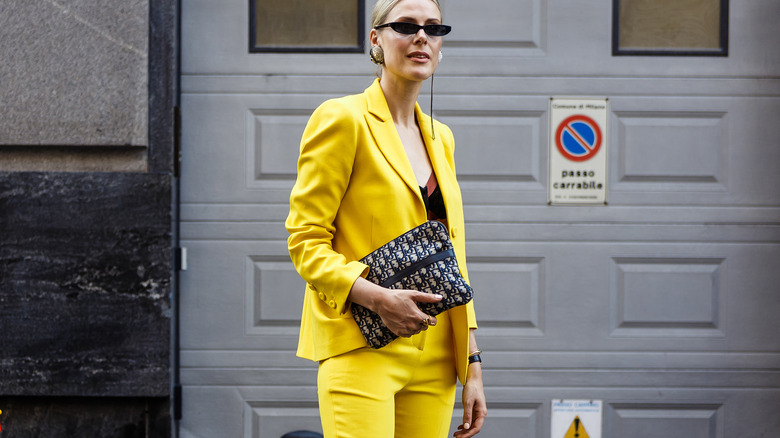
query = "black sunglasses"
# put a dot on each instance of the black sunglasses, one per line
(411, 28)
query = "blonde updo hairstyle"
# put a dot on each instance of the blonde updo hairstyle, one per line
(382, 9)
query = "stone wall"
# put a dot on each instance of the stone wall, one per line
(85, 277)
(36, 417)
(87, 178)
(85, 268)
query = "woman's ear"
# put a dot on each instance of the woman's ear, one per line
(373, 37)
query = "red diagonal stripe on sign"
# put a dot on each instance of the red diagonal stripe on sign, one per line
(577, 137)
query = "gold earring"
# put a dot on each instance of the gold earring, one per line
(377, 55)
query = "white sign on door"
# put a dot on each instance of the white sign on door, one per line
(578, 151)
(576, 419)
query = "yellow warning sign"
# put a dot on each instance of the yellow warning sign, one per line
(569, 418)
(576, 430)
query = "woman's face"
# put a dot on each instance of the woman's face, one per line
(409, 57)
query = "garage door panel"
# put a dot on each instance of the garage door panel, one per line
(267, 303)
(673, 147)
(516, 420)
(667, 420)
(693, 151)
(511, 293)
(513, 26)
(237, 146)
(274, 143)
(253, 412)
(203, 405)
(667, 296)
(275, 419)
(514, 136)
(242, 295)
(639, 296)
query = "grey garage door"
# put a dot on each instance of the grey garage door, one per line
(664, 303)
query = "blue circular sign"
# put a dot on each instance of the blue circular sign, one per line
(578, 138)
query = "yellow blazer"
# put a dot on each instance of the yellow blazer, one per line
(356, 191)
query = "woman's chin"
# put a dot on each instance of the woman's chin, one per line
(420, 74)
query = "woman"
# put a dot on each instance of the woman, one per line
(373, 166)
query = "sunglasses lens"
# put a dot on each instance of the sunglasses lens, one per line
(437, 29)
(405, 28)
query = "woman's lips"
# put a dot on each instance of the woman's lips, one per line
(419, 56)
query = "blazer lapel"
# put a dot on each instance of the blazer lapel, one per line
(444, 174)
(380, 122)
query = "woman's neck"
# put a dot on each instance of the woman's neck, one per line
(401, 97)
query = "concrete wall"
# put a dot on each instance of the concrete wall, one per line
(74, 73)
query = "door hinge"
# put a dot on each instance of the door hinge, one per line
(181, 258)
(177, 414)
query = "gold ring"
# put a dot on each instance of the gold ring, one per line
(427, 321)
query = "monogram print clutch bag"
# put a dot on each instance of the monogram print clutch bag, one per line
(421, 259)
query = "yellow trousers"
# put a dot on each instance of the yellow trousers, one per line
(403, 390)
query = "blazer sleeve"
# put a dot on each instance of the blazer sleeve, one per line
(325, 164)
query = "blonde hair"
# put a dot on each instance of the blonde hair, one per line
(382, 9)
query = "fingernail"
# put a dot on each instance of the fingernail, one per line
(466, 426)
(436, 296)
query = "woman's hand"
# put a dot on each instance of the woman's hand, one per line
(397, 307)
(474, 404)
(400, 313)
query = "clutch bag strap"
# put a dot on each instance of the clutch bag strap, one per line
(414, 267)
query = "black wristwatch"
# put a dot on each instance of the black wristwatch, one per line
(475, 357)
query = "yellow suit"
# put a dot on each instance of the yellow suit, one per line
(355, 191)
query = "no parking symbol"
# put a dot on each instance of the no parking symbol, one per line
(578, 138)
(578, 151)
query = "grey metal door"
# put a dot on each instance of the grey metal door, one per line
(664, 303)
